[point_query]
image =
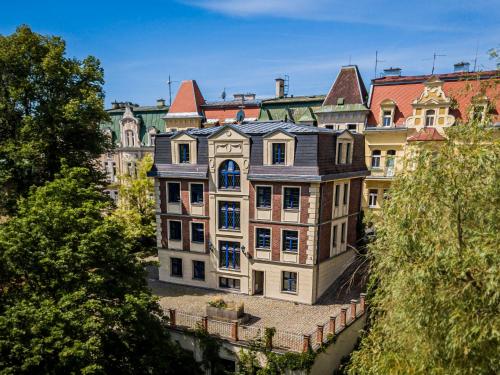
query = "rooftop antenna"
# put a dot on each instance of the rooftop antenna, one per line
(376, 63)
(286, 85)
(223, 95)
(434, 61)
(169, 83)
(475, 58)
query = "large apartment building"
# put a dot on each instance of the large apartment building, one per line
(266, 208)
(405, 110)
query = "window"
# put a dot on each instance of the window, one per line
(263, 240)
(152, 138)
(343, 233)
(229, 283)
(339, 153)
(131, 170)
(429, 117)
(372, 197)
(334, 236)
(229, 175)
(174, 230)
(263, 197)
(352, 127)
(329, 127)
(196, 193)
(387, 118)
(348, 153)
(337, 195)
(376, 159)
(174, 192)
(278, 153)
(184, 153)
(176, 267)
(129, 138)
(291, 198)
(197, 232)
(290, 240)
(390, 162)
(346, 194)
(229, 255)
(289, 282)
(229, 215)
(198, 270)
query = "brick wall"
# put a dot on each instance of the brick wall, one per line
(354, 208)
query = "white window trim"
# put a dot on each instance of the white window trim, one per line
(296, 283)
(167, 193)
(270, 239)
(191, 232)
(204, 268)
(256, 197)
(182, 268)
(283, 198)
(370, 194)
(168, 230)
(298, 242)
(202, 195)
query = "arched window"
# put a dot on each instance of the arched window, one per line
(229, 175)
(376, 159)
(129, 138)
(430, 114)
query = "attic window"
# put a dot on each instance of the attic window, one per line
(340, 101)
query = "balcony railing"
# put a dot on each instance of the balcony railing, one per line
(384, 166)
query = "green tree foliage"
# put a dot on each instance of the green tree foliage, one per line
(50, 107)
(435, 263)
(73, 299)
(136, 207)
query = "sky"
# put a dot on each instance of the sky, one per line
(243, 45)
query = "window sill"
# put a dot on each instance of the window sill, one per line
(175, 240)
(177, 276)
(290, 251)
(198, 279)
(229, 189)
(179, 202)
(262, 249)
(198, 242)
(264, 208)
(230, 269)
(291, 209)
(289, 292)
(197, 204)
(231, 229)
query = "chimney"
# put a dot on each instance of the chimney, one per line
(249, 96)
(392, 72)
(115, 105)
(239, 97)
(160, 102)
(280, 87)
(461, 66)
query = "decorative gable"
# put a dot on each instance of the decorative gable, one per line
(130, 127)
(190, 155)
(282, 142)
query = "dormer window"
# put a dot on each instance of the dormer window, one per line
(184, 155)
(387, 118)
(430, 115)
(279, 153)
(348, 153)
(339, 153)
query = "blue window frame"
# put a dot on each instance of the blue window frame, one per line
(229, 215)
(289, 283)
(198, 270)
(197, 193)
(229, 175)
(278, 153)
(290, 240)
(291, 198)
(175, 228)
(184, 156)
(263, 237)
(197, 232)
(229, 255)
(176, 267)
(264, 196)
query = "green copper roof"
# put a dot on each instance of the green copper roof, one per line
(342, 108)
(148, 117)
(296, 109)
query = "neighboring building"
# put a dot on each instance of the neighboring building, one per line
(265, 208)
(296, 109)
(132, 129)
(345, 105)
(242, 107)
(408, 109)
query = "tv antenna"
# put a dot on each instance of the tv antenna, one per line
(434, 61)
(376, 63)
(169, 83)
(475, 58)
(223, 95)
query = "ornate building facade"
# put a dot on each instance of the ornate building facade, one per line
(266, 208)
(409, 109)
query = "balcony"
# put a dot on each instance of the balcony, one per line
(383, 167)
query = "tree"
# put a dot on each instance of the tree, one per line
(73, 298)
(136, 207)
(50, 107)
(435, 263)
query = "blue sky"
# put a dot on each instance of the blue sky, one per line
(244, 44)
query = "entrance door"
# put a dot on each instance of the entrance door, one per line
(258, 282)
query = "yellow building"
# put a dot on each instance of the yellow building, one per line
(407, 109)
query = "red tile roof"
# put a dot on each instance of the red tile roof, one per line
(403, 90)
(348, 85)
(230, 113)
(426, 134)
(188, 99)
